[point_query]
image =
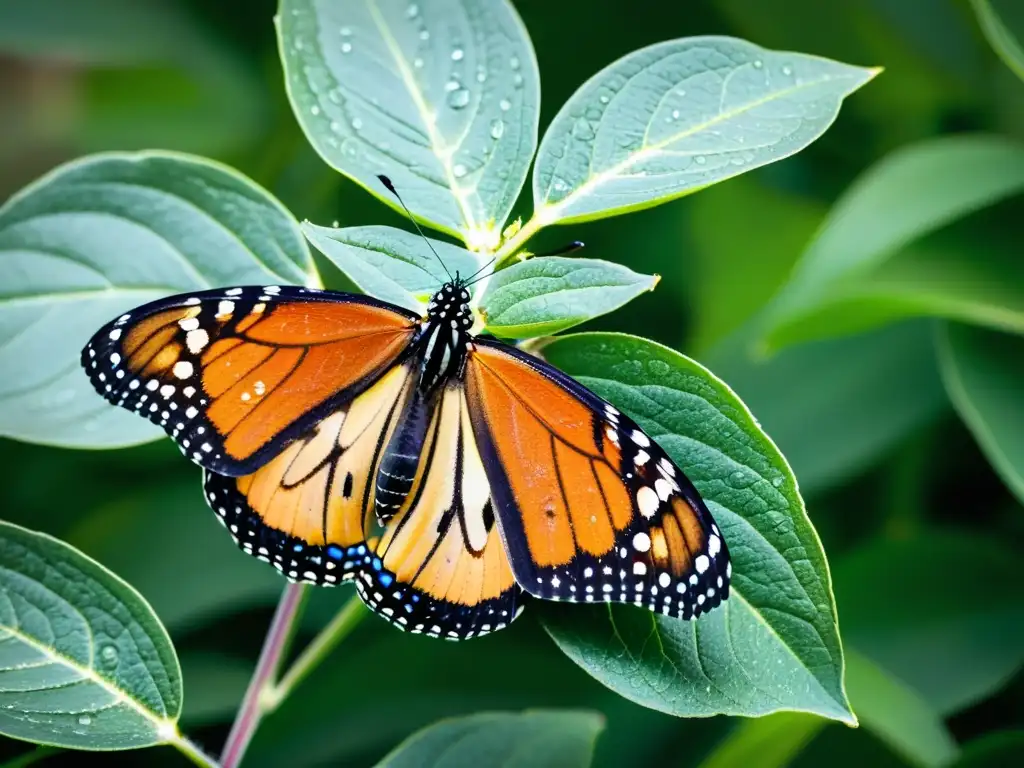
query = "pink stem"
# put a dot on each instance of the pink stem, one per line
(274, 646)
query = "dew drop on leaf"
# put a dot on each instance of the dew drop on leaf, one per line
(497, 128)
(357, 124)
(675, 114)
(412, 11)
(582, 130)
(458, 54)
(787, 70)
(346, 47)
(514, 62)
(700, 159)
(505, 105)
(109, 654)
(346, 31)
(84, 720)
(758, 63)
(658, 367)
(314, 110)
(777, 482)
(517, 80)
(418, 63)
(481, 75)
(458, 98)
(424, 34)
(459, 170)
(604, 99)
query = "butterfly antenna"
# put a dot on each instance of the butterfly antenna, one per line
(391, 188)
(575, 245)
(470, 279)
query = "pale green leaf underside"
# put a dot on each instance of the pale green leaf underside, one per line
(774, 645)
(532, 739)
(677, 116)
(392, 264)
(84, 661)
(546, 295)
(443, 97)
(864, 267)
(100, 235)
(984, 375)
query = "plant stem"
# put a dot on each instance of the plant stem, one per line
(192, 751)
(274, 646)
(518, 240)
(341, 625)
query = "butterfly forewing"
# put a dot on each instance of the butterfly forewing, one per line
(591, 509)
(232, 374)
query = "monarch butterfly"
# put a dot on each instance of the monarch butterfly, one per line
(448, 475)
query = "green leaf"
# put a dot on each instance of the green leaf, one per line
(984, 376)
(98, 236)
(84, 661)
(546, 295)
(443, 97)
(897, 714)
(392, 264)
(775, 644)
(196, 574)
(955, 645)
(678, 116)
(767, 742)
(528, 740)
(1002, 36)
(864, 394)
(864, 268)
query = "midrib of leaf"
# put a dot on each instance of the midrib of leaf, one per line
(165, 728)
(440, 148)
(549, 212)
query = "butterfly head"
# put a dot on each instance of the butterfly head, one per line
(450, 306)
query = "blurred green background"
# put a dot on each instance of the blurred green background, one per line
(924, 540)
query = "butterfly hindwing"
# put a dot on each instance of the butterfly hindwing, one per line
(437, 566)
(233, 374)
(591, 509)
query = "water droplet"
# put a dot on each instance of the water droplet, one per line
(517, 80)
(424, 34)
(357, 124)
(497, 128)
(658, 367)
(560, 186)
(109, 654)
(335, 126)
(84, 720)
(348, 148)
(758, 63)
(299, 45)
(383, 146)
(582, 130)
(459, 170)
(604, 99)
(458, 54)
(346, 47)
(452, 85)
(458, 98)
(737, 477)
(700, 159)
(505, 105)
(418, 63)
(314, 110)
(787, 70)
(335, 95)
(346, 31)
(777, 482)
(514, 62)
(675, 114)
(680, 92)
(481, 75)
(412, 11)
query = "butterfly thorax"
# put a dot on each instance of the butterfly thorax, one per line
(445, 336)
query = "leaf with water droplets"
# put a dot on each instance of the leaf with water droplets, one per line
(443, 97)
(84, 661)
(546, 295)
(774, 644)
(392, 264)
(678, 116)
(101, 235)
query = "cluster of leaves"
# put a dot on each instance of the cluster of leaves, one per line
(445, 99)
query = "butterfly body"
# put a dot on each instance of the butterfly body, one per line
(448, 475)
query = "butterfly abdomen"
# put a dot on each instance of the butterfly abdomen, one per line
(401, 458)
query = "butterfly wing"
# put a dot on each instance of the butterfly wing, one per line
(437, 567)
(589, 506)
(234, 374)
